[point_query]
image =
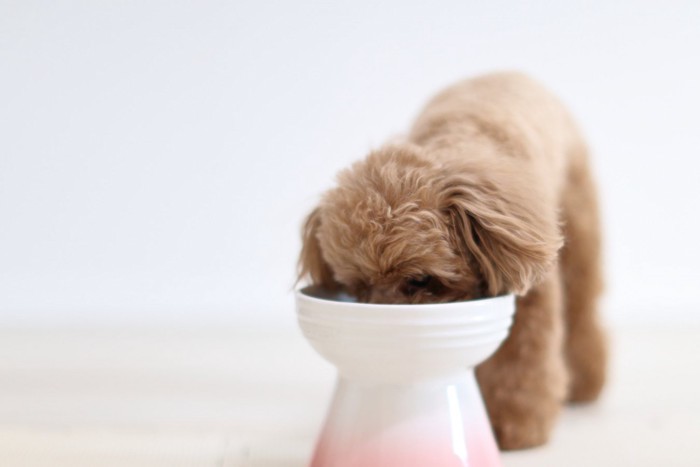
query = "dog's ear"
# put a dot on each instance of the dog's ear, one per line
(505, 223)
(311, 262)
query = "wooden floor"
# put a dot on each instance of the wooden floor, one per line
(255, 398)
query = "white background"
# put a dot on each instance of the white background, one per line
(157, 158)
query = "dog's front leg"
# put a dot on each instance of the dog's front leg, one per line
(524, 382)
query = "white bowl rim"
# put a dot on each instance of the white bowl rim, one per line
(304, 294)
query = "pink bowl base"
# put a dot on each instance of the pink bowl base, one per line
(437, 425)
(419, 453)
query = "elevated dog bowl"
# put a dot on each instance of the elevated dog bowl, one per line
(406, 395)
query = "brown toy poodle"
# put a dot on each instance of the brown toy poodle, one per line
(490, 193)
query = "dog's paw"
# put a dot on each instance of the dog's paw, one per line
(587, 362)
(586, 387)
(513, 433)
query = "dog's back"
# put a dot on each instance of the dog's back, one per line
(511, 108)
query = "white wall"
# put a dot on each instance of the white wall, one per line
(156, 158)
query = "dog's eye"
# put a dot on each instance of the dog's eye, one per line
(413, 285)
(419, 282)
(425, 284)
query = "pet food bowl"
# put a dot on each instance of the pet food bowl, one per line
(406, 394)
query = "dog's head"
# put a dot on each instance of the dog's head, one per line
(402, 228)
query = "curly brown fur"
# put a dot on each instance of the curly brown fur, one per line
(478, 200)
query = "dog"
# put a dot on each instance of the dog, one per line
(489, 193)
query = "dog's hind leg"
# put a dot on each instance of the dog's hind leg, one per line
(580, 260)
